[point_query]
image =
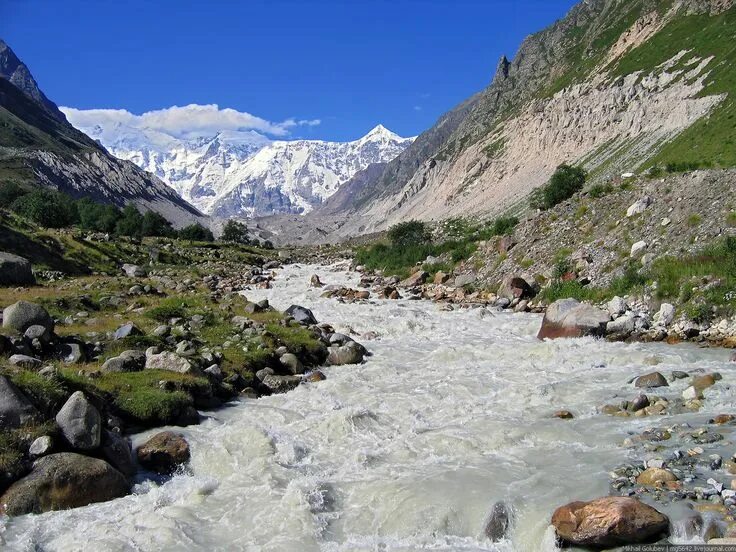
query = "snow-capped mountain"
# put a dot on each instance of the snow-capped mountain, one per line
(244, 173)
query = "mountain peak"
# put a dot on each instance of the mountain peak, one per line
(381, 132)
(17, 73)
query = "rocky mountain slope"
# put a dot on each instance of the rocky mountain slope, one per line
(38, 147)
(615, 86)
(243, 173)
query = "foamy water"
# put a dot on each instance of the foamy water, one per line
(408, 451)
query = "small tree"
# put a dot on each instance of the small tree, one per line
(565, 182)
(408, 233)
(235, 231)
(9, 192)
(97, 217)
(196, 232)
(153, 224)
(130, 223)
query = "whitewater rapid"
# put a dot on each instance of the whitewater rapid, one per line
(406, 452)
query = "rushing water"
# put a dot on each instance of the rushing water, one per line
(408, 451)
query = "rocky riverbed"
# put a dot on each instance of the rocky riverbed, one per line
(455, 412)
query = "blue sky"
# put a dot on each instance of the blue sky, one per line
(349, 65)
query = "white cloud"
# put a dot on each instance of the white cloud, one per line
(184, 122)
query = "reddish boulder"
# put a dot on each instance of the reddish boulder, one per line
(608, 522)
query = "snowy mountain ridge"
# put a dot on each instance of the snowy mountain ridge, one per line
(244, 173)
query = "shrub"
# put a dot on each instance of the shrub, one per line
(504, 225)
(235, 231)
(408, 233)
(96, 217)
(154, 224)
(9, 192)
(694, 220)
(600, 190)
(196, 232)
(130, 222)
(47, 208)
(565, 182)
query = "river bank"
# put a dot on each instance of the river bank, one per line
(451, 414)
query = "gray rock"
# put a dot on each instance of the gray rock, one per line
(15, 270)
(41, 446)
(622, 327)
(497, 526)
(162, 331)
(62, 481)
(616, 307)
(214, 372)
(571, 318)
(117, 451)
(127, 330)
(25, 361)
(653, 379)
(134, 271)
(263, 372)
(302, 315)
(639, 206)
(22, 315)
(291, 363)
(15, 409)
(186, 349)
(80, 422)
(41, 333)
(638, 249)
(350, 353)
(171, 362)
(281, 384)
(127, 361)
(515, 287)
(416, 279)
(665, 315)
(462, 280)
(71, 353)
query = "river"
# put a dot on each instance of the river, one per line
(406, 452)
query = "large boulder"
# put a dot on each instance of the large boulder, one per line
(416, 279)
(171, 362)
(127, 361)
(571, 318)
(515, 287)
(653, 379)
(116, 450)
(15, 409)
(608, 522)
(497, 527)
(280, 384)
(80, 422)
(61, 481)
(15, 270)
(302, 315)
(164, 452)
(22, 315)
(134, 271)
(350, 353)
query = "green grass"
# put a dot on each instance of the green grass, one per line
(137, 396)
(712, 140)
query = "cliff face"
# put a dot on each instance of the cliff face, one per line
(38, 147)
(616, 86)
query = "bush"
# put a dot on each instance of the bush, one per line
(9, 192)
(96, 217)
(196, 232)
(235, 231)
(130, 223)
(565, 182)
(504, 225)
(600, 190)
(47, 208)
(154, 224)
(408, 233)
